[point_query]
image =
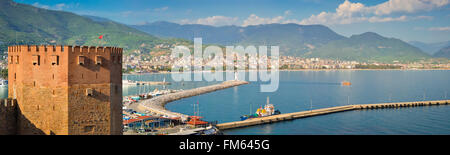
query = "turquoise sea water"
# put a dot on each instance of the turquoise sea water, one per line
(298, 89)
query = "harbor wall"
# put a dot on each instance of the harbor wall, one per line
(156, 105)
(324, 111)
(8, 117)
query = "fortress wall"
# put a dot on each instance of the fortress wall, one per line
(50, 87)
(8, 114)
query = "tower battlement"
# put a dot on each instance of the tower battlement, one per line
(61, 48)
(66, 89)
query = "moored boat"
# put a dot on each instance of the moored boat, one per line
(268, 110)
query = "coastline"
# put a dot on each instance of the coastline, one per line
(444, 69)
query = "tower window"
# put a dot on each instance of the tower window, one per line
(98, 60)
(17, 60)
(81, 60)
(36, 60)
(55, 60)
(89, 92)
(11, 60)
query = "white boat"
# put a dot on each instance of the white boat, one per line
(3, 83)
(128, 82)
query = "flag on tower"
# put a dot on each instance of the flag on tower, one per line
(100, 37)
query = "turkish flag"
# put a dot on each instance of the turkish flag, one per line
(100, 37)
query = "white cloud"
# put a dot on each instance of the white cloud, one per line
(439, 28)
(60, 6)
(409, 6)
(213, 20)
(161, 9)
(41, 5)
(349, 12)
(256, 20)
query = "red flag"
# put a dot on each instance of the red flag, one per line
(100, 37)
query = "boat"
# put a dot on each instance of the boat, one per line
(156, 92)
(268, 110)
(346, 83)
(128, 82)
(3, 83)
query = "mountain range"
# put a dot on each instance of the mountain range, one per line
(26, 24)
(295, 40)
(443, 53)
(430, 48)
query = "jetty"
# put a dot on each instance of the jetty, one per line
(324, 111)
(156, 104)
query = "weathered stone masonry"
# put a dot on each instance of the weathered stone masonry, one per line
(66, 90)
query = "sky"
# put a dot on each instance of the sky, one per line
(409, 20)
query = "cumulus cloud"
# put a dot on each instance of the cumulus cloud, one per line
(256, 20)
(409, 6)
(349, 12)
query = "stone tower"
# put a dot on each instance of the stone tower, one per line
(66, 90)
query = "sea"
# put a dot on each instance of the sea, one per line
(307, 90)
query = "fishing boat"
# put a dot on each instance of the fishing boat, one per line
(346, 83)
(268, 110)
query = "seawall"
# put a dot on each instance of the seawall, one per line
(323, 111)
(156, 104)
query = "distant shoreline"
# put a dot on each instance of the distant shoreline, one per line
(296, 70)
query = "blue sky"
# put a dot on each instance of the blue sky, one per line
(409, 20)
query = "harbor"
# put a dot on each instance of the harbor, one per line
(156, 104)
(145, 113)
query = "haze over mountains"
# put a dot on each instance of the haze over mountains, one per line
(443, 53)
(430, 48)
(26, 24)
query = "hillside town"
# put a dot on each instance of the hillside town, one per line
(138, 63)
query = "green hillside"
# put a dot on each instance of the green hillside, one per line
(25, 24)
(369, 46)
(443, 53)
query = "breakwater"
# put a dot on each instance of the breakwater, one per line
(156, 104)
(323, 111)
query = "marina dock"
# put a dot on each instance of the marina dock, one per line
(324, 111)
(156, 104)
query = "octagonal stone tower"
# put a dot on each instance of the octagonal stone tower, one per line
(66, 90)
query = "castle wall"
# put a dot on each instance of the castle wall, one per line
(8, 116)
(105, 83)
(50, 87)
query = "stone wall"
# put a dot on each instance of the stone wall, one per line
(50, 84)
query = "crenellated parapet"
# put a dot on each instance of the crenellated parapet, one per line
(66, 89)
(60, 48)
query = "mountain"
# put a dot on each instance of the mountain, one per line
(26, 24)
(293, 39)
(430, 48)
(369, 46)
(443, 53)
